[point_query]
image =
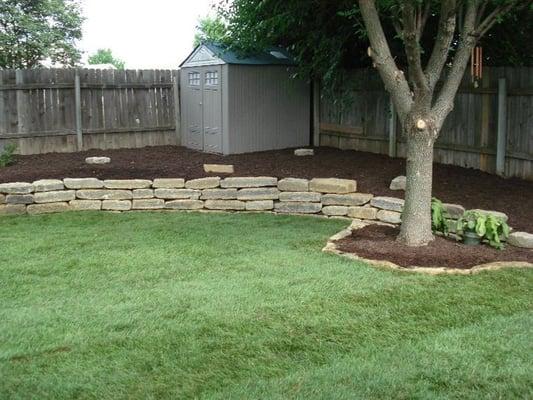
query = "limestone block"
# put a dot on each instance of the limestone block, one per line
(148, 204)
(168, 183)
(398, 183)
(455, 211)
(387, 203)
(304, 152)
(98, 160)
(116, 205)
(171, 194)
(203, 183)
(335, 210)
(127, 183)
(48, 185)
(392, 217)
(248, 182)
(219, 168)
(521, 239)
(225, 205)
(362, 212)
(259, 205)
(185, 204)
(55, 196)
(298, 207)
(45, 208)
(293, 185)
(332, 185)
(351, 199)
(19, 199)
(300, 196)
(85, 205)
(83, 183)
(12, 209)
(104, 194)
(16, 188)
(258, 194)
(143, 193)
(219, 194)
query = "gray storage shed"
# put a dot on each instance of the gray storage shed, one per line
(236, 105)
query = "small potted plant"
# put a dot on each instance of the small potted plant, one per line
(474, 226)
(471, 227)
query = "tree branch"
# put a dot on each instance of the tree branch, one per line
(444, 102)
(394, 79)
(441, 49)
(491, 19)
(423, 19)
(411, 38)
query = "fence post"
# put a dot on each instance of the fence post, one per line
(177, 115)
(502, 126)
(392, 129)
(21, 101)
(316, 113)
(77, 99)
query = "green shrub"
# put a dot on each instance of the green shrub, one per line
(439, 217)
(486, 226)
(7, 155)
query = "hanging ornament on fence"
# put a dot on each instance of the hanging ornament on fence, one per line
(476, 65)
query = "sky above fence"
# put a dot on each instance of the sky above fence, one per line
(143, 33)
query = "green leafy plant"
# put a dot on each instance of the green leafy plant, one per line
(439, 217)
(487, 226)
(6, 155)
(105, 56)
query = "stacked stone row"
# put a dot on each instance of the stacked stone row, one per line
(327, 196)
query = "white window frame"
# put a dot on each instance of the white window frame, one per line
(194, 78)
(211, 78)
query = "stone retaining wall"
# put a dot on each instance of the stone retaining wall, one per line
(326, 196)
(331, 197)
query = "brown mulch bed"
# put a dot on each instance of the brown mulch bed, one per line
(373, 172)
(378, 242)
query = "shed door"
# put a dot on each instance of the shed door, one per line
(192, 105)
(212, 109)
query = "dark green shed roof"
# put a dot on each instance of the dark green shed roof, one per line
(271, 56)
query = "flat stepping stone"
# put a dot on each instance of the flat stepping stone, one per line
(219, 168)
(304, 152)
(98, 160)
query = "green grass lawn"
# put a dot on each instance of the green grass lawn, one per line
(225, 306)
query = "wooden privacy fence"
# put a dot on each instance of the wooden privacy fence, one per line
(63, 110)
(490, 127)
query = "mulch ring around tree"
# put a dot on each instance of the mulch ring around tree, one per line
(376, 244)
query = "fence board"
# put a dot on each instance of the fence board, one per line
(118, 109)
(469, 135)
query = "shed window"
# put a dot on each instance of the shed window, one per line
(194, 79)
(211, 78)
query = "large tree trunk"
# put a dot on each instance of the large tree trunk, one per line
(416, 216)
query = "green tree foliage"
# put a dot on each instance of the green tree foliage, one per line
(105, 56)
(328, 38)
(211, 29)
(32, 31)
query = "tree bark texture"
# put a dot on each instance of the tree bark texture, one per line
(416, 217)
